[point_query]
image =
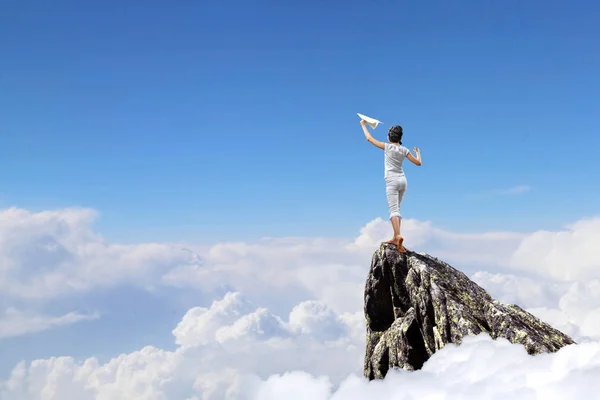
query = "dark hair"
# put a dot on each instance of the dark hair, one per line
(395, 134)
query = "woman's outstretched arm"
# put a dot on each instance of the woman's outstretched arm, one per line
(370, 138)
(417, 160)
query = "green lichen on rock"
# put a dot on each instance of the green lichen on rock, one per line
(415, 304)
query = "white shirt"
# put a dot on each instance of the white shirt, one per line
(393, 156)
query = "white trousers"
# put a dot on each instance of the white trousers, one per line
(395, 187)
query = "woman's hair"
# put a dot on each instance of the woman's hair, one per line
(395, 134)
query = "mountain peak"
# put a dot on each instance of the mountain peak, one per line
(415, 304)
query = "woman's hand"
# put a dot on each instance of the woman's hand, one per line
(363, 122)
(417, 160)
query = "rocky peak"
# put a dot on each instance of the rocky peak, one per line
(415, 304)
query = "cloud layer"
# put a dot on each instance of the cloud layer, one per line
(16, 322)
(56, 253)
(285, 320)
(233, 350)
(230, 340)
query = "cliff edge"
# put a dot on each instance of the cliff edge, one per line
(415, 304)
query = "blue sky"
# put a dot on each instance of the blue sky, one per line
(230, 119)
(205, 121)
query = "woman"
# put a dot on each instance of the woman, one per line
(395, 181)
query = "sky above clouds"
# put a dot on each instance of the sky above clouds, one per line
(188, 207)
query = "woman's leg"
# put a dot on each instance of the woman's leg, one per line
(395, 190)
(392, 191)
(397, 240)
(401, 191)
(395, 225)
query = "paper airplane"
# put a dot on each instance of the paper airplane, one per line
(371, 121)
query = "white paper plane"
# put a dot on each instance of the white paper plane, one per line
(371, 121)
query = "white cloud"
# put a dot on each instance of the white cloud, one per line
(268, 367)
(525, 291)
(218, 346)
(232, 317)
(16, 323)
(199, 325)
(379, 230)
(511, 191)
(260, 324)
(292, 270)
(568, 255)
(54, 253)
(515, 190)
(232, 346)
(581, 306)
(479, 369)
(316, 319)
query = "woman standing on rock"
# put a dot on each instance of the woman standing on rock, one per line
(395, 181)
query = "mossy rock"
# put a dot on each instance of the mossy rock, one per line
(415, 304)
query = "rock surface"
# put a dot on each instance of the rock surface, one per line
(415, 304)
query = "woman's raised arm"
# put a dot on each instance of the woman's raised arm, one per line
(417, 160)
(370, 138)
